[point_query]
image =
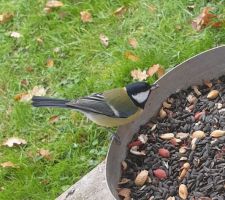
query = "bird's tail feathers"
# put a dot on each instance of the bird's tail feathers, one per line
(38, 101)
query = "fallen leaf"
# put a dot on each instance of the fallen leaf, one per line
(24, 82)
(15, 34)
(29, 69)
(104, 40)
(5, 17)
(48, 10)
(178, 27)
(152, 70)
(131, 56)
(7, 164)
(204, 19)
(14, 141)
(133, 42)
(160, 71)
(53, 119)
(50, 62)
(139, 75)
(45, 154)
(39, 40)
(27, 96)
(152, 8)
(217, 24)
(54, 4)
(120, 11)
(38, 91)
(85, 16)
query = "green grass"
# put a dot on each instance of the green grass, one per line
(82, 66)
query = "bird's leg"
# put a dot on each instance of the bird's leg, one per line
(114, 137)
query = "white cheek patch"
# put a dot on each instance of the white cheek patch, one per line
(141, 97)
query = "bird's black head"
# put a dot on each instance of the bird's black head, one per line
(139, 92)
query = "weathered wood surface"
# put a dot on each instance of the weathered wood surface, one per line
(91, 187)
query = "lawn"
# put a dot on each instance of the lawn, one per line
(82, 65)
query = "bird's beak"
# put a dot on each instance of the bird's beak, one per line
(154, 86)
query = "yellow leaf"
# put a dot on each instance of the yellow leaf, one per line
(104, 40)
(152, 8)
(27, 96)
(133, 42)
(5, 17)
(120, 11)
(139, 75)
(85, 16)
(50, 62)
(45, 154)
(131, 56)
(14, 141)
(54, 4)
(7, 164)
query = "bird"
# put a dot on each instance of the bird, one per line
(110, 108)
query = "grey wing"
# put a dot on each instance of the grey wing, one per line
(94, 103)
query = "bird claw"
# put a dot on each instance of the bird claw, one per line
(115, 137)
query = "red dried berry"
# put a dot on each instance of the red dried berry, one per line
(135, 143)
(160, 173)
(198, 115)
(164, 153)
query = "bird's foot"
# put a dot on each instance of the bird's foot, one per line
(115, 137)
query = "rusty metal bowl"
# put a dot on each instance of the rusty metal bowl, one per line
(207, 65)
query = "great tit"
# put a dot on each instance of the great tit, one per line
(111, 108)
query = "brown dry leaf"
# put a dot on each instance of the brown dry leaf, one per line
(29, 69)
(204, 19)
(85, 16)
(54, 4)
(24, 82)
(53, 119)
(217, 24)
(124, 192)
(139, 75)
(45, 154)
(104, 40)
(133, 42)
(160, 71)
(15, 34)
(5, 17)
(14, 141)
(7, 164)
(131, 56)
(120, 11)
(27, 96)
(50, 62)
(152, 70)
